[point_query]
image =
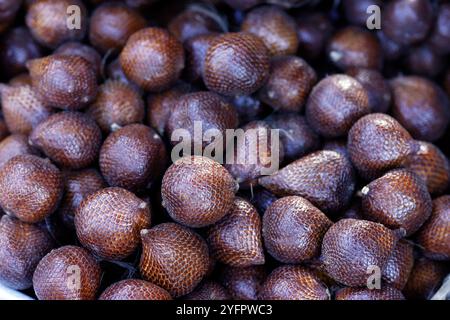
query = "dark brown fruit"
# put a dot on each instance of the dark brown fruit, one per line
(8, 11)
(376, 86)
(84, 51)
(77, 186)
(14, 145)
(114, 71)
(209, 290)
(71, 139)
(111, 25)
(424, 60)
(242, 4)
(236, 239)
(31, 188)
(289, 84)
(293, 230)
(338, 145)
(117, 104)
(67, 273)
(243, 283)
(22, 246)
(64, 82)
(109, 221)
(421, 107)
(354, 47)
(250, 108)
(313, 30)
(293, 283)
(236, 64)
(385, 293)
(430, 164)
(377, 143)
(351, 247)
(356, 10)
(22, 108)
(22, 79)
(196, 48)
(434, 236)
(210, 187)
(134, 289)
(262, 198)
(398, 199)
(274, 27)
(335, 104)
(440, 37)
(174, 258)
(399, 265)
(133, 157)
(3, 129)
(153, 59)
(325, 178)
(391, 49)
(48, 21)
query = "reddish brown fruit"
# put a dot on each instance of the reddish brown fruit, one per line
(14, 145)
(209, 290)
(335, 104)
(293, 230)
(174, 258)
(351, 247)
(385, 293)
(434, 236)
(338, 145)
(20, 80)
(289, 84)
(117, 104)
(210, 187)
(134, 289)
(111, 25)
(325, 178)
(236, 64)
(153, 59)
(440, 37)
(398, 199)
(196, 48)
(114, 71)
(71, 139)
(84, 51)
(236, 239)
(313, 30)
(421, 107)
(293, 283)
(109, 221)
(48, 21)
(399, 265)
(31, 188)
(53, 279)
(133, 157)
(377, 143)
(424, 60)
(22, 246)
(64, 82)
(243, 283)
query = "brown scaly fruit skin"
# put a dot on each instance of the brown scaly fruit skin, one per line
(425, 279)
(133, 157)
(14, 145)
(351, 246)
(117, 103)
(293, 283)
(134, 289)
(335, 104)
(70, 139)
(399, 265)
(353, 47)
(385, 293)
(197, 191)
(31, 188)
(47, 21)
(174, 258)
(196, 48)
(77, 186)
(22, 108)
(236, 239)
(289, 84)
(22, 246)
(209, 290)
(109, 221)
(313, 30)
(274, 27)
(58, 269)
(420, 106)
(430, 164)
(399, 199)
(293, 230)
(377, 143)
(305, 177)
(111, 24)
(247, 64)
(338, 145)
(434, 236)
(84, 51)
(153, 59)
(64, 82)
(243, 283)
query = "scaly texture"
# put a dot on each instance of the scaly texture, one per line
(14, 145)
(196, 48)
(262, 198)
(84, 51)
(174, 258)
(134, 289)
(385, 293)
(208, 290)
(243, 283)
(399, 265)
